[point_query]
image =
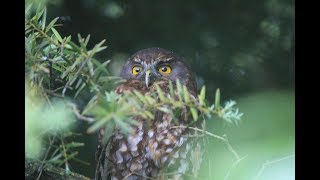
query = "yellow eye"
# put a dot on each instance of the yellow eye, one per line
(165, 69)
(136, 70)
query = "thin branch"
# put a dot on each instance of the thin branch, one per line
(79, 116)
(224, 139)
(233, 165)
(44, 34)
(230, 147)
(45, 157)
(65, 155)
(268, 163)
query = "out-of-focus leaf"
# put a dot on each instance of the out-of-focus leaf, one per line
(179, 90)
(74, 144)
(160, 93)
(99, 124)
(124, 126)
(90, 104)
(79, 90)
(150, 100)
(202, 95)
(27, 9)
(171, 89)
(194, 114)
(186, 94)
(141, 97)
(164, 109)
(217, 99)
(108, 130)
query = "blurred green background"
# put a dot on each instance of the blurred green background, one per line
(246, 48)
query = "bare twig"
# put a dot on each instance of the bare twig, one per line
(65, 155)
(45, 157)
(233, 165)
(79, 116)
(268, 163)
(224, 139)
(230, 147)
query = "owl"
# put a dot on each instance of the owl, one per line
(164, 149)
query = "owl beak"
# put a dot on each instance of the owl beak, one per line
(147, 76)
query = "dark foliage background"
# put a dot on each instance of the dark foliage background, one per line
(245, 48)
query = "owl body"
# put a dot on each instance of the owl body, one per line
(156, 148)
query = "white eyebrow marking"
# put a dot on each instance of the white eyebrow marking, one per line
(159, 58)
(168, 59)
(137, 59)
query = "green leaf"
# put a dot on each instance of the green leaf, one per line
(97, 48)
(217, 99)
(82, 45)
(186, 94)
(39, 13)
(202, 95)
(171, 89)
(108, 130)
(160, 93)
(99, 124)
(27, 9)
(164, 109)
(124, 126)
(68, 39)
(150, 100)
(90, 66)
(71, 156)
(69, 69)
(194, 113)
(78, 83)
(90, 104)
(101, 67)
(55, 32)
(87, 40)
(79, 90)
(58, 68)
(51, 24)
(141, 97)
(75, 47)
(179, 89)
(44, 19)
(74, 144)
(149, 114)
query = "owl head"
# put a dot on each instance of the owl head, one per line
(153, 64)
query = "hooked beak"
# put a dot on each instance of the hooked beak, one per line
(147, 76)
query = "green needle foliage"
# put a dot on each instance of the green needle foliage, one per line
(60, 73)
(114, 109)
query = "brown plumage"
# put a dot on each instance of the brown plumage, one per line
(154, 149)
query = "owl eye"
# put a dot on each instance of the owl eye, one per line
(165, 69)
(136, 70)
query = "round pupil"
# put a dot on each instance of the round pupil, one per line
(164, 69)
(137, 69)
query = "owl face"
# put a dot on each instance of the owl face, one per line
(152, 64)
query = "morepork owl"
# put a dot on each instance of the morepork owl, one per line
(155, 151)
